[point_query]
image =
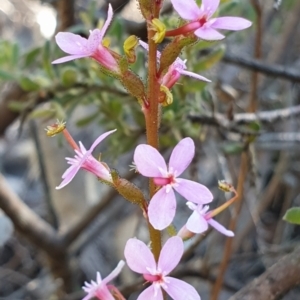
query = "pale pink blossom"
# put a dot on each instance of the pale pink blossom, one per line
(150, 163)
(177, 68)
(141, 260)
(79, 47)
(84, 159)
(201, 20)
(99, 288)
(200, 219)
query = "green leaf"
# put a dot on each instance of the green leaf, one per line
(42, 113)
(27, 84)
(211, 59)
(15, 54)
(47, 66)
(87, 120)
(31, 56)
(68, 76)
(292, 215)
(6, 76)
(232, 147)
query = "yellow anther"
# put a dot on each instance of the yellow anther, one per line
(129, 48)
(225, 187)
(167, 97)
(56, 128)
(106, 42)
(160, 29)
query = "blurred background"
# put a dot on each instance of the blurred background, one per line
(245, 125)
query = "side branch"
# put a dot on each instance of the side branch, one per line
(275, 282)
(259, 66)
(220, 120)
(27, 222)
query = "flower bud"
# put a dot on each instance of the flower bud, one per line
(128, 190)
(172, 51)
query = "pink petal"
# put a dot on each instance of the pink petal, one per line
(193, 191)
(196, 223)
(182, 156)
(213, 223)
(68, 58)
(94, 40)
(170, 254)
(148, 161)
(151, 293)
(230, 23)
(108, 21)
(194, 75)
(139, 257)
(179, 290)
(209, 34)
(69, 175)
(187, 9)
(115, 272)
(210, 7)
(100, 139)
(102, 292)
(162, 208)
(72, 43)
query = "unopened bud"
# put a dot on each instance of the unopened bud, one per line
(172, 51)
(133, 84)
(146, 7)
(128, 190)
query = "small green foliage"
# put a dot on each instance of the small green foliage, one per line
(28, 84)
(292, 215)
(232, 147)
(69, 76)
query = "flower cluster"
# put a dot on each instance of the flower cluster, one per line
(199, 23)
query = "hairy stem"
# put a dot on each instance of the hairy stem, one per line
(152, 124)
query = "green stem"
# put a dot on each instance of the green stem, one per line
(152, 125)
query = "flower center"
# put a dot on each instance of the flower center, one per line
(161, 181)
(158, 278)
(202, 21)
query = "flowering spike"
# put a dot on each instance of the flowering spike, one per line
(58, 127)
(160, 30)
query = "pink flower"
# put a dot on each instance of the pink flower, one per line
(140, 259)
(79, 47)
(99, 289)
(200, 218)
(174, 72)
(201, 21)
(150, 163)
(84, 160)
